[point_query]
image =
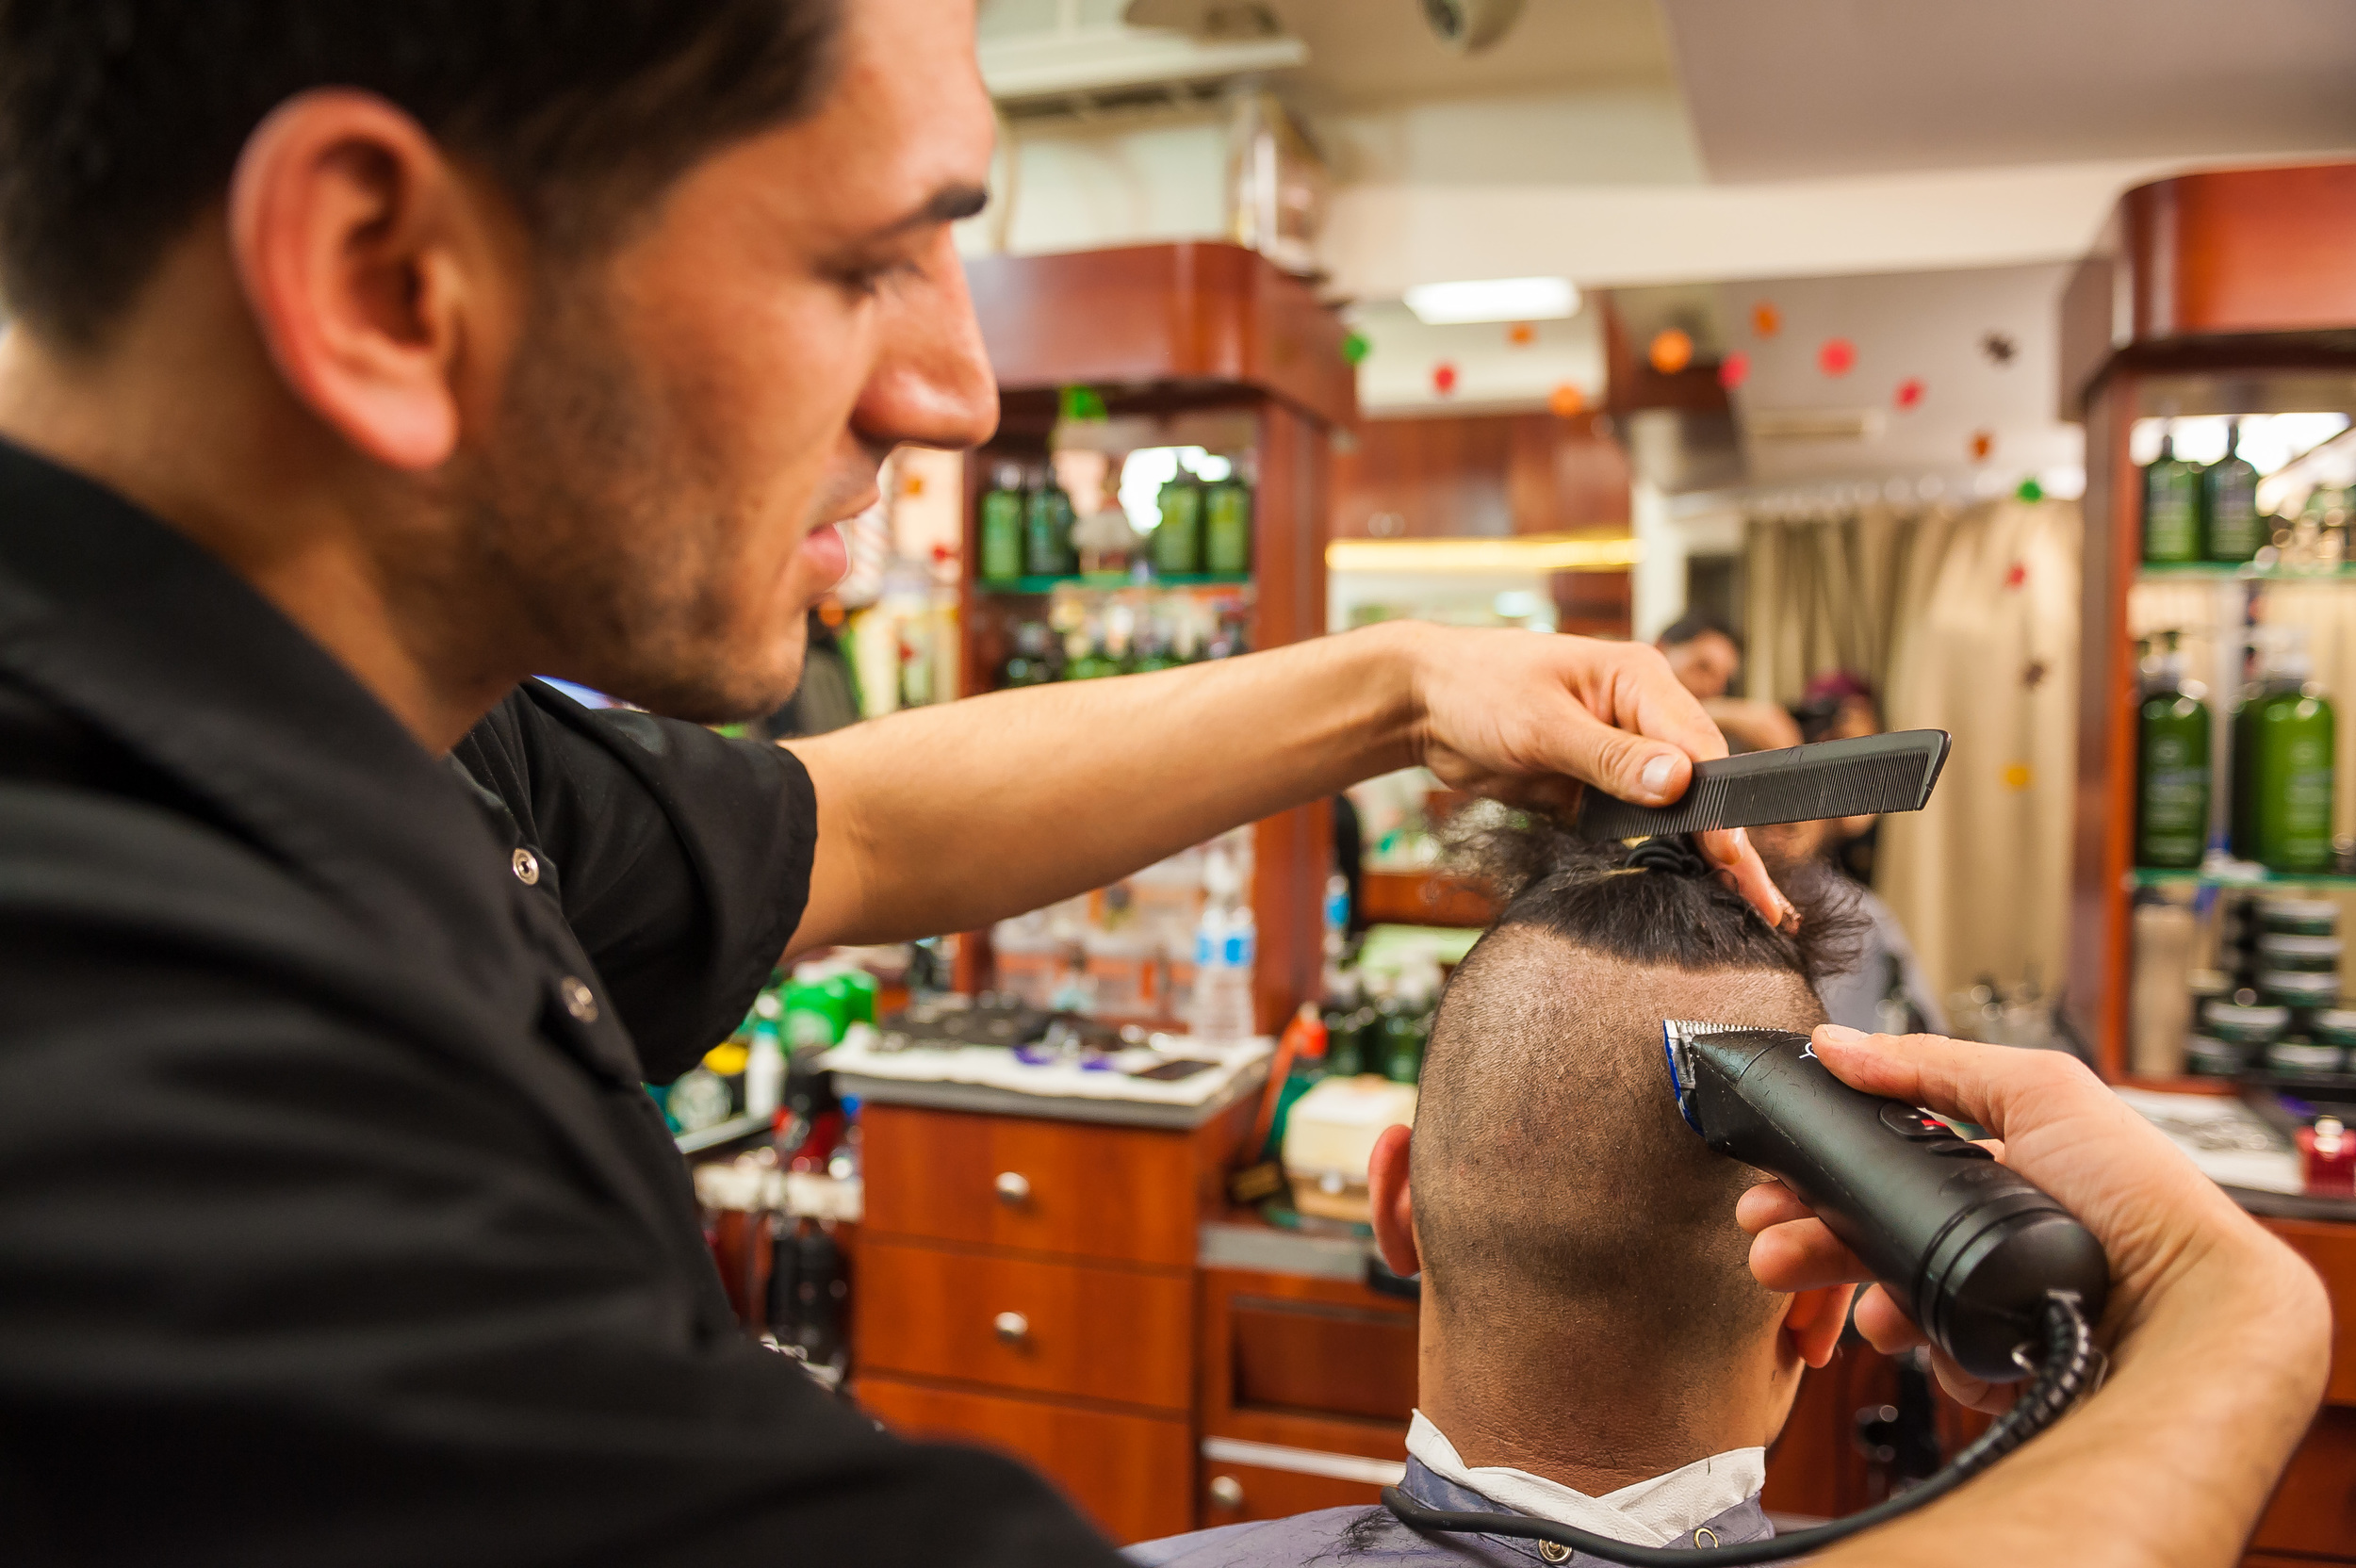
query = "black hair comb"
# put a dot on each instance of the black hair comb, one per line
(1831, 778)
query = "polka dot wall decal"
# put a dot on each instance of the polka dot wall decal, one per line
(1521, 334)
(1672, 351)
(1566, 401)
(1444, 378)
(1837, 357)
(1766, 320)
(1734, 369)
(1909, 392)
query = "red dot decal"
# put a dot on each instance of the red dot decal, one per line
(1837, 357)
(1734, 369)
(1909, 392)
(1444, 378)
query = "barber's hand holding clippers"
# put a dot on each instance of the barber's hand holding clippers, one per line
(1525, 719)
(2220, 1334)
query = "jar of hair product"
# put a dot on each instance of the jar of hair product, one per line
(2207, 1057)
(2299, 955)
(2295, 1057)
(2298, 917)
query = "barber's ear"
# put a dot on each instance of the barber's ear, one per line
(1394, 1205)
(1815, 1320)
(357, 247)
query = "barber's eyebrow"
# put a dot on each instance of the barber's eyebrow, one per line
(948, 205)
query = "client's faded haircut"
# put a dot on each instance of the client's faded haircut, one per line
(1551, 1175)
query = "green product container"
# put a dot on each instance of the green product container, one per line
(2171, 508)
(2207, 1057)
(813, 1015)
(1227, 528)
(1178, 537)
(2284, 813)
(2229, 504)
(2252, 1026)
(853, 990)
(1002, 534)
(1345, 1044)
(2298, 1058)
(2333, 1027)
(1403, 1036)
(2299, 955)
(2172, 793)
(2304, 993)
(1047, 532)
(2298, 917)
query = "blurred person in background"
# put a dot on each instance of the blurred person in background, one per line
(1839, 704)
(1705, 655)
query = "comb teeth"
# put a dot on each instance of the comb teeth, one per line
(1832, 778)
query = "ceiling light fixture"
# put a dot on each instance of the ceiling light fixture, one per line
(1438, 305)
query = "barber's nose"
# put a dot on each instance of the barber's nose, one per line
(932, 383)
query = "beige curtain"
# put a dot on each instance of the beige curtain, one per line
(1823, 593)
(1985, 645)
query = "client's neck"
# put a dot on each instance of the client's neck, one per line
(1553, 1409)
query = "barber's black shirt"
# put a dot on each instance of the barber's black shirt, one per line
(335, 1226)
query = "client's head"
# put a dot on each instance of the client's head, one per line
(1582, 1271)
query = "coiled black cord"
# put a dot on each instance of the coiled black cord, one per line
(2069, 1358)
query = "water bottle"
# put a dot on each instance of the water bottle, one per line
(1223, 951)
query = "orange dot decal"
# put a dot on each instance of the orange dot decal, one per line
(1521, 334)
(1983, 444)
(1837, 357)
(1734, 369)
(1566, 401)
(1766, 320)
(1672, 351)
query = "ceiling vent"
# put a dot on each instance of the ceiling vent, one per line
(1089, 68)
(1813, 424)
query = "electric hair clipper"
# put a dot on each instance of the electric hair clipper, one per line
(1969, 1246)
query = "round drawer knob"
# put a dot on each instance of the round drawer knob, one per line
(1012, 1326)
(1013, 1187)
(1226, 1492)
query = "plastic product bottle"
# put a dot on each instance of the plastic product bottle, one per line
(2229, 503)
(765, 1071)
(2284, 734)
(2172, 508)
(1223, 951)
(2172, 753)
(1178, 538)
(1001, 527)
(1047, 531)
(1407, 1023)
(1227, 528)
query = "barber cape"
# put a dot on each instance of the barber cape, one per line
(1715, 1497)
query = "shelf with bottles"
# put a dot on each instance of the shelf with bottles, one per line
(1107, 582)
(2241, 876)
(2257, 496)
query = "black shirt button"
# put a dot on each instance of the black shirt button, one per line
(580, 1000)
(526, 867)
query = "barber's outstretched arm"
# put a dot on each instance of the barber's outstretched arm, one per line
(2220, 1334)
(946, 818)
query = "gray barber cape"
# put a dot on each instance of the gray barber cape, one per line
(1372, 1537)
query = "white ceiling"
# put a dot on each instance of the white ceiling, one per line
(1800, 88)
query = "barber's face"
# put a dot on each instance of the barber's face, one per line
(688, 414)
(1704, 666)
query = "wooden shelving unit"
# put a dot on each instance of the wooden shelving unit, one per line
(1215, 346)
(2225, 292)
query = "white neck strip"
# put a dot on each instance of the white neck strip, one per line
(1648, 1514)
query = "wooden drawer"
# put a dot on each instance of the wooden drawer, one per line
(2314, 1511)
(2332, 1248)
(1122, 1334)
(1132, 1475)
(1033, 1185)
(1234, 1494)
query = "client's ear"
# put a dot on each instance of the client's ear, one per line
(1394, 1205)
(1814, 1320)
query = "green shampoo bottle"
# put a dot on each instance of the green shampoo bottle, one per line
(2172, 754)
(2229, 503)
(2172, 508)
(2284, 735)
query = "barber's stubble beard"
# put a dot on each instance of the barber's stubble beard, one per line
(592, 506)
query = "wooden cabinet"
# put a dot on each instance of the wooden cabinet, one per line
(1122, 1469)
(1028, 1285)
(1480, 476)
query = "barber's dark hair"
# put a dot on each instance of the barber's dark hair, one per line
(121, 119)
(1562, 1207)
(1695, 624)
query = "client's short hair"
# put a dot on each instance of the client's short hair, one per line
(1553, 1179)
